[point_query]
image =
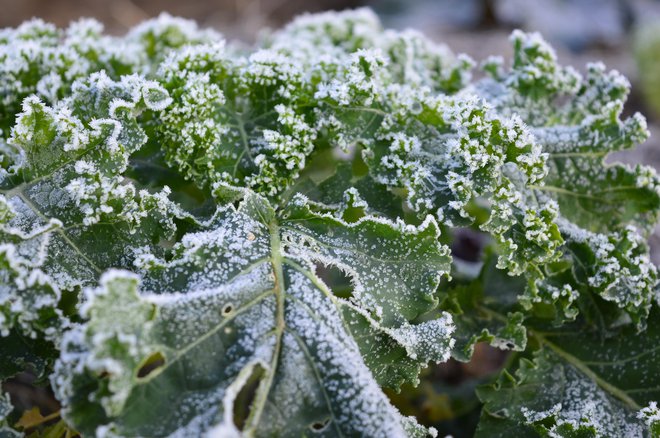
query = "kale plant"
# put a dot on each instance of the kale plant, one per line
(207, 239)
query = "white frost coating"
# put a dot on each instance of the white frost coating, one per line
(28, 297)
(584, 404)
(428, 341)
(358, 404)
(534, 416)
(650, 414)
(221, 322)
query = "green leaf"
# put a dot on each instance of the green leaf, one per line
(69, 199)
(240, 312)
(581, 383)
(603, 210)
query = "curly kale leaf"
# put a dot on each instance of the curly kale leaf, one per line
(604, 211)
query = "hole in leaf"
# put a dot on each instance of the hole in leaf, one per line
(319, 426)
(337, 280)
(228, 309)
(69, 301)
(151, 364)
(245, 397)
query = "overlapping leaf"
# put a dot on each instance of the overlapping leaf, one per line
(68, 212)
(240, 304)
(607, 208)
(486, 309)
(580, 383)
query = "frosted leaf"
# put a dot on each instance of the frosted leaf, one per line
(68, 211)
(240, 302)
(394, 267)
(571, 402)
(237, 120)
(579, 381)
(576, 120)
(619, 268)
(37, 58)
(651, 415)
(160, 35)
(456, 151)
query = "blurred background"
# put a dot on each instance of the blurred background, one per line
(624, 34)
